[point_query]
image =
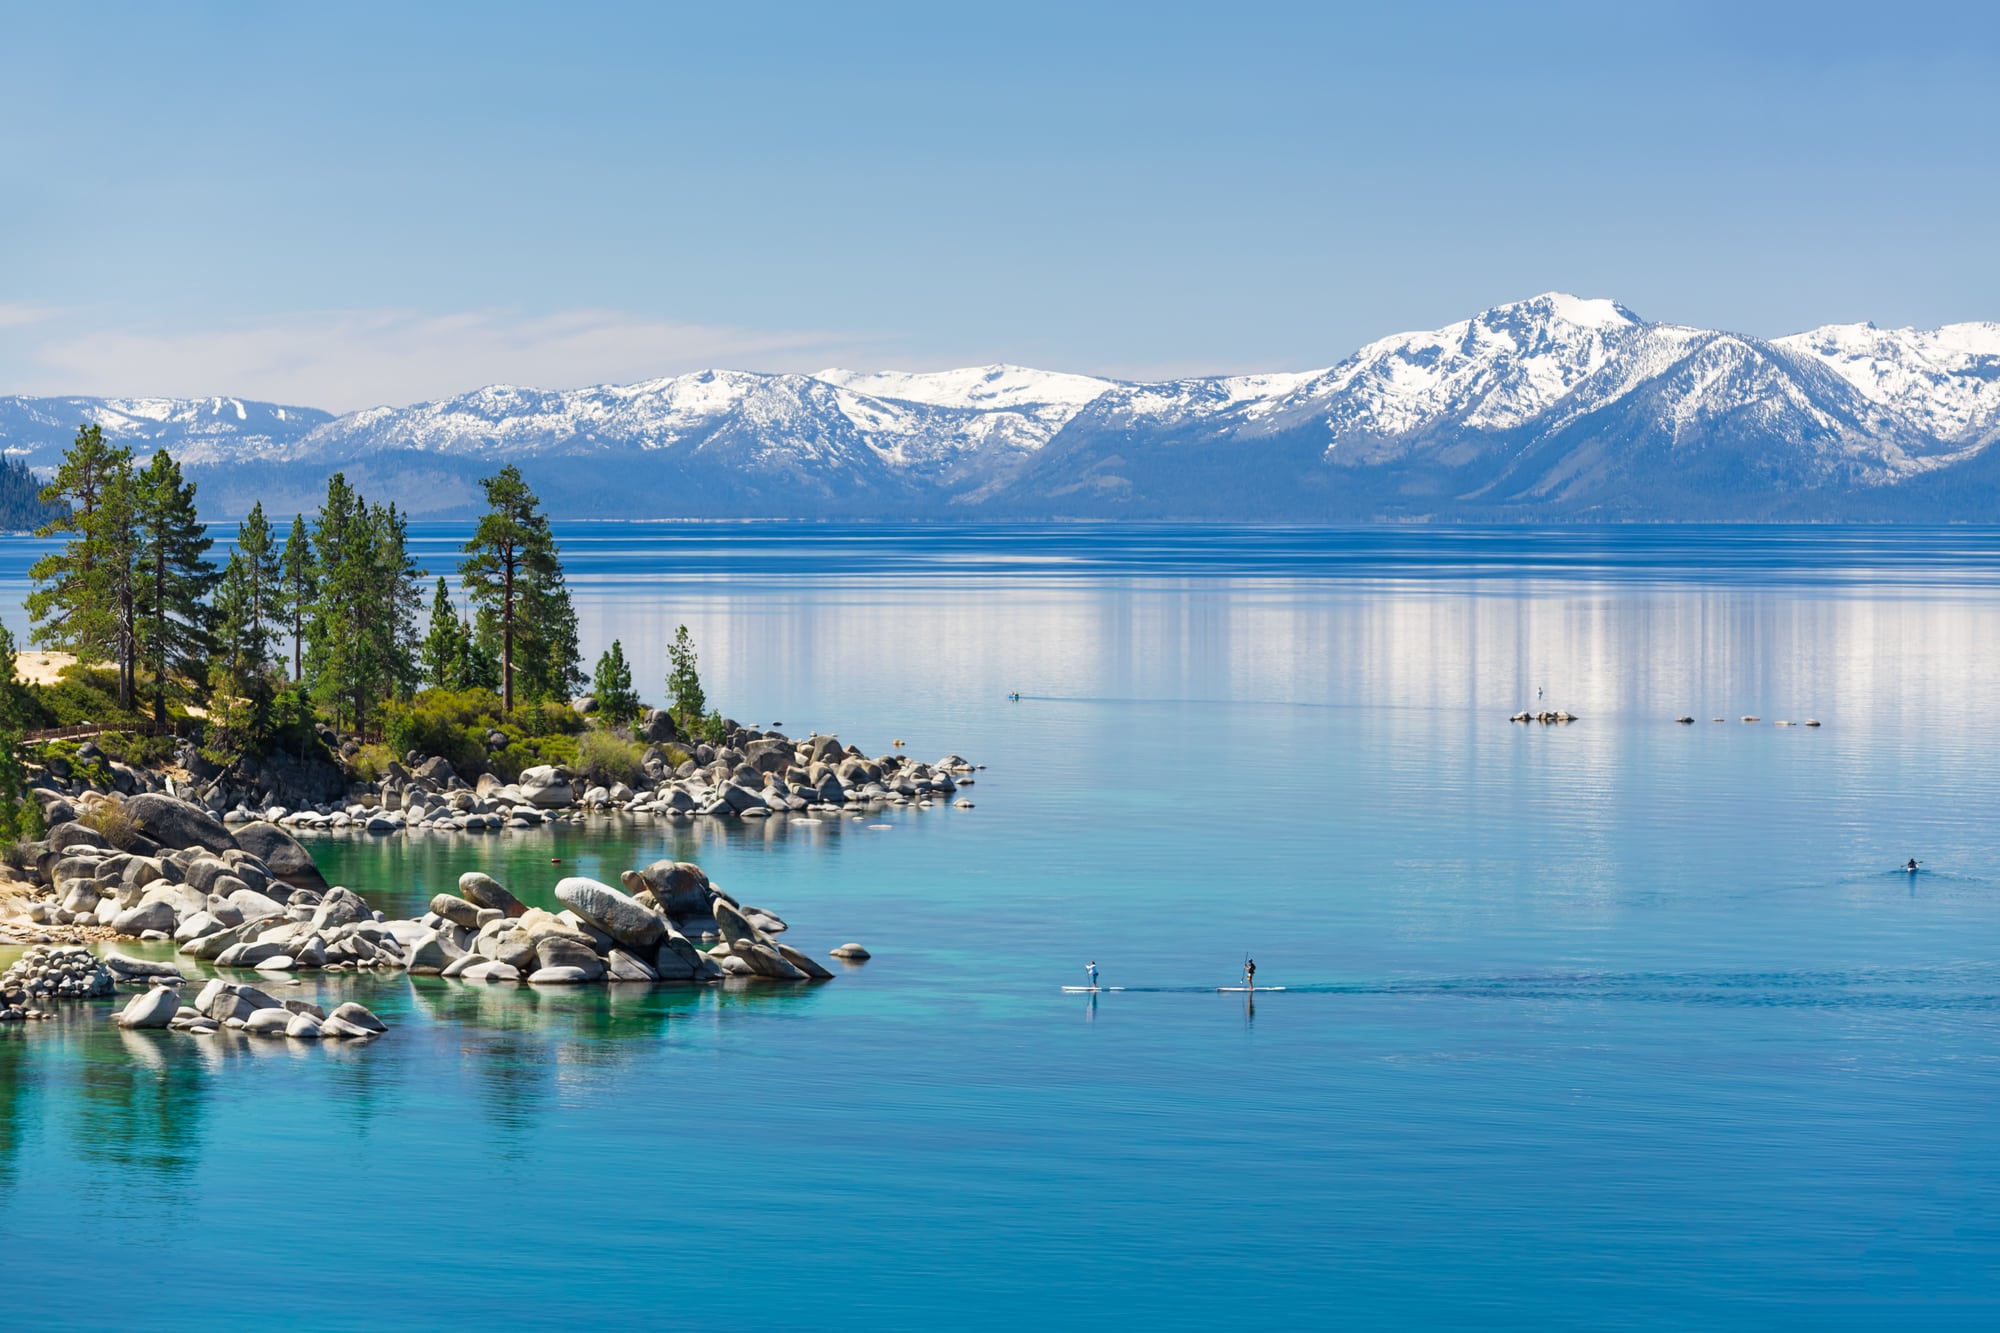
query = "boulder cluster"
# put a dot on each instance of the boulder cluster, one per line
(759, 775)
(51, 971)
(646, 932)
(225, 1005)
(179, 873)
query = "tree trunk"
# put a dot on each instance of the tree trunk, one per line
(160, 649)
(507, 636)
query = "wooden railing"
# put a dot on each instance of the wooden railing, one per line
(141, 728)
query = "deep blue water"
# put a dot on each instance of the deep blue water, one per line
(1621, 1023)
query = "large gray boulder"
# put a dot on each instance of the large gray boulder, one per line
(282, 854)
(677, 959)
(269, 1022)
(559, 951)
(65, 836)
(618, 916)
(340, 907)
(253, 905)
(205, 870)
(750, 945)
(768, 756)
(436, 769)
(176, 823)
(487, 892)
(359, 1016)
(154, 915)
(455, 909)
(811, 967)
(185, 899)
(429, 954)
(154, 1009)
(684, 894)
(137, 969)
(546, 786)
(622, 966)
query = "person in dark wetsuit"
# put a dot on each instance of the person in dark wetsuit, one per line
(1249, 974)
(1912, 866)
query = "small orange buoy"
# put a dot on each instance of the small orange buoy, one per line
(555, 860)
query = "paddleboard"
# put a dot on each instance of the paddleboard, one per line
(1240, 989)
(1092, 988)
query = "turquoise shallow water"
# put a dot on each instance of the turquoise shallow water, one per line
(1620, 1023)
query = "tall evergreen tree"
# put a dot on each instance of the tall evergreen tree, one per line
(361, 644)
(617, 701)
(20, 817)
(298, 589)
(478, 663)
(444, 643)
(513, 574)
(70, 605)
(172, 624)
(399, 600)
(117, 572)
(263, 574)
(249, 598)
(338, 646)
(689, 704)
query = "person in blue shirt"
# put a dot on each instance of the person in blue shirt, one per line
(1091, 968)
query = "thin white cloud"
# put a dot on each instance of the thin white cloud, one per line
(347, 359)
(15, 316)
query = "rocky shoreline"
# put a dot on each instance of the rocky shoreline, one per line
(754, 775)
(249, 899)
(765, 774)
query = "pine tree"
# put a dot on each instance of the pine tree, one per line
(70, 606)
(171, 624)
(118, 573)
(513, 574)
(337, 656)
(479, 664)
(617, 701)
(20, 816)
(360, 635)
(248, 610)
(264, 579)
(689, 704)
(398, 601)
(298, 589)
(444, 644)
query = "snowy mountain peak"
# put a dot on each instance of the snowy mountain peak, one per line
(1550, 405)
(1945, 382)
(983, 388)
(1581, 311)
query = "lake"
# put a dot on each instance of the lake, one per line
(1616, 1023)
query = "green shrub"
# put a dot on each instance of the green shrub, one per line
(96, 772)
(372, 761)
(674, 755)
(452, 723)
(110, 819)
(139, 751)
(605, 758)
(82, 694)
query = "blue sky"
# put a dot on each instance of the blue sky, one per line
(350, 204)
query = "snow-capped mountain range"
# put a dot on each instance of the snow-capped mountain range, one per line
(1550, 408)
